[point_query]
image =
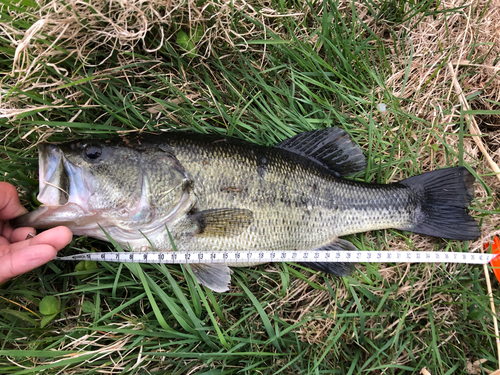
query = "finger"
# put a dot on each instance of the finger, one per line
(4, 242)
(10, 235)
(57, 237)
(18, 234)
(10, 207)
(23, 260)
(21, 234)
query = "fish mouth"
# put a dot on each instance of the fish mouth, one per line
(53, 177)
(61, 191)
(61, 181)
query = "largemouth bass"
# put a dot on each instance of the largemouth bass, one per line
(217, 193)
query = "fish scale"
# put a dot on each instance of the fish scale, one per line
(288, 212)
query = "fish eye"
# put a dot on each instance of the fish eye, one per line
(93, 152)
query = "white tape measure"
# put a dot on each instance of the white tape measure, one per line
(256, 256)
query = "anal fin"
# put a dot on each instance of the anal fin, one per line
(335, 268)
(214, 276)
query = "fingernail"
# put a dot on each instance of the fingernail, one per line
(30, 235)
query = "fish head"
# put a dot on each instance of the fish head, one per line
(82, 174)
(93, 185)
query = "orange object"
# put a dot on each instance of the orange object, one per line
(495, 262)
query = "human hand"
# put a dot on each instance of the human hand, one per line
(18, 254)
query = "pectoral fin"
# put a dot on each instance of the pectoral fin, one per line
(337, 269)
(214, 276)
(222, 222)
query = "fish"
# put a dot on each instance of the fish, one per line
(217, 193)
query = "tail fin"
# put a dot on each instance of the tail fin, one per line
(445, 194)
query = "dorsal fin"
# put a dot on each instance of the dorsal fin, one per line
(333, 148)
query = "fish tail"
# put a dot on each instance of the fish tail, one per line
(444, 197)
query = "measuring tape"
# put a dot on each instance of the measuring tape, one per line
(256, 256)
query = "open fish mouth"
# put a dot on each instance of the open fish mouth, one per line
(60, 188)
(54, 180)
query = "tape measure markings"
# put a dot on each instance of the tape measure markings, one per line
(253, 256)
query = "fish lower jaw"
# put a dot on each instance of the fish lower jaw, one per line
(134, 239)
(140, 246)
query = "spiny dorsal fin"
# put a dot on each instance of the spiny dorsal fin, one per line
(333, 148)
(222, 221)
(339, 268)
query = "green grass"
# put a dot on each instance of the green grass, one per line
(328, 69)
